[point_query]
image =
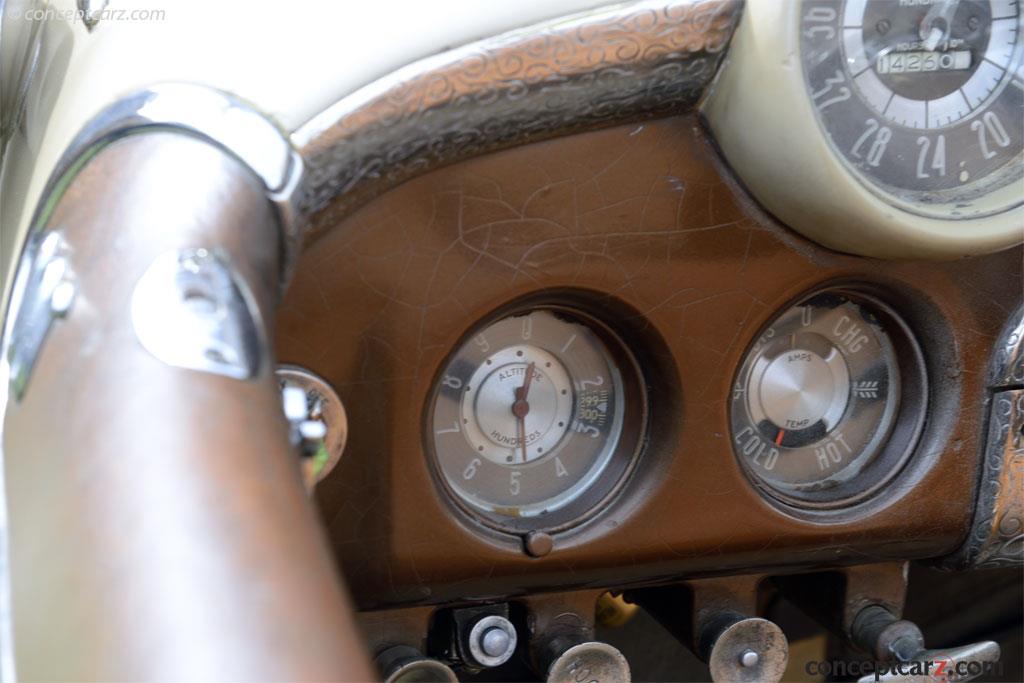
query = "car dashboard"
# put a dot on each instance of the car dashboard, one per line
(689, 309)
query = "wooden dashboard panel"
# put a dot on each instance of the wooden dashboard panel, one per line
(640, 219)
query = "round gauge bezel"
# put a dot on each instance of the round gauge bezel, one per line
(994, 193)
(333, 412)
(791, 168)
(904, 429)
(622, 461)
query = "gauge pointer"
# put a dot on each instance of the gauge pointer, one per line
(521, 408)
(933, 31)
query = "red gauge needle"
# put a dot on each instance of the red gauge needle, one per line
(521, 408)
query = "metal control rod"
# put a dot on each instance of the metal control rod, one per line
(158, 526)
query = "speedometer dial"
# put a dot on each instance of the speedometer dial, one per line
(536, 419)
(924, 99)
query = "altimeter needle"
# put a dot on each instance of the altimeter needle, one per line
(521, 408)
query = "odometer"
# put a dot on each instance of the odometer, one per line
(923, 99)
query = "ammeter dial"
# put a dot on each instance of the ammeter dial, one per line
(816, 399)
(536, 418)
(924, 99)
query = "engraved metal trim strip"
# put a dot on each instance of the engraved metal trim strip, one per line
(996, 537)
(1007, 368)
(594, 69)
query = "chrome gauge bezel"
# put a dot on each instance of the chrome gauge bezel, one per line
(622, 460)
(913, 150)
(887, 452)
(791, 168)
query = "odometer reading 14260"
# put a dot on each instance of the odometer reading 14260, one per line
(925, 100)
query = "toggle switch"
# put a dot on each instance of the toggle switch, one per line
(888, 639)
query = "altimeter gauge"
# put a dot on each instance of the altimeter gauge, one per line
(535, 419)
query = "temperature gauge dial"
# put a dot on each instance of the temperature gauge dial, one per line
(817, 399)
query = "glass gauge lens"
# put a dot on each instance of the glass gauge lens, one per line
(536, 418)
(924, 99)
(814, 403)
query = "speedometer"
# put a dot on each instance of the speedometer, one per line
(923, 99)
(885, 128)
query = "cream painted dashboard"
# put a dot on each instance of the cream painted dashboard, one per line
(290, 60)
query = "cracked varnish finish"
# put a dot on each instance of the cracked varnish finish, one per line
(641, 214)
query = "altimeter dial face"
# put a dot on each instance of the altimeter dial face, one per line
(530, 422)
(923, 99)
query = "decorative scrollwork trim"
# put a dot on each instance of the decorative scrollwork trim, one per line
(595, 69)
(996, 538)
(1007, 368)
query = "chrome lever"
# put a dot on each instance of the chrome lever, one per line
(899, 645)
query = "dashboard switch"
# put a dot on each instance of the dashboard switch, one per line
(405, 664)
(747, 649)
(587, 661)
(888, 639)
(490, 642)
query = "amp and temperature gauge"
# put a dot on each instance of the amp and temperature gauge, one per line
(536, 419)
(828, 401)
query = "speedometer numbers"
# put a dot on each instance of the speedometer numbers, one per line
(536, 419)
(924, 99)
(817, 397)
